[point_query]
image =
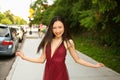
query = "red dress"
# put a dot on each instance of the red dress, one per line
(55, 68)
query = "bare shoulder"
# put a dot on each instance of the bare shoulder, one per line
(71, 41)
(68, 43)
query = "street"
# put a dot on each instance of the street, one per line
(5, 66)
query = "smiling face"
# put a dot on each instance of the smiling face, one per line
(58, 29)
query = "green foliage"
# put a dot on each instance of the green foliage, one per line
(6, 21)
(117, 19)
(2, 16)
(48, 14)
(95, 15)
(104, 5)
(106, 40)
(8, 18)
(87, 19)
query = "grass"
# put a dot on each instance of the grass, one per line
(88, 46)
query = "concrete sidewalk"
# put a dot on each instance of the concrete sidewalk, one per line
(24, 70)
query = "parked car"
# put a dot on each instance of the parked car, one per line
(8, 41)
(20, 32)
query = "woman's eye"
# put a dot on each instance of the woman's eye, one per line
(54, 27)
(60, 27)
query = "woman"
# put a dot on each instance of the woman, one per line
(54, 47)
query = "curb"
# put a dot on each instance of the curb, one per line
(11, 73)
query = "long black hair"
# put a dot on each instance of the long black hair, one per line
(49, 34)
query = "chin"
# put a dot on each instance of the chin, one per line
(58, 36)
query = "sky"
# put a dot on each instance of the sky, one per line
(17, 7)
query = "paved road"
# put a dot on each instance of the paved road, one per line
(24, 70)
(5, 66)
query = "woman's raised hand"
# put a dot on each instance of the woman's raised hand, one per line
(20, 54)
(99, 65)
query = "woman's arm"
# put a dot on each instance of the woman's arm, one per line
(35, 60)
(78, 60)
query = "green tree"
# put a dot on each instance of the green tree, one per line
(2, 16)
(9, 15)
(6, 21)
(8, 18)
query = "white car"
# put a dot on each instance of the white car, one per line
(20, 32)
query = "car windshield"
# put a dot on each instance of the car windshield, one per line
(4, 32)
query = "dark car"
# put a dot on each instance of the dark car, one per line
(8, 41)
